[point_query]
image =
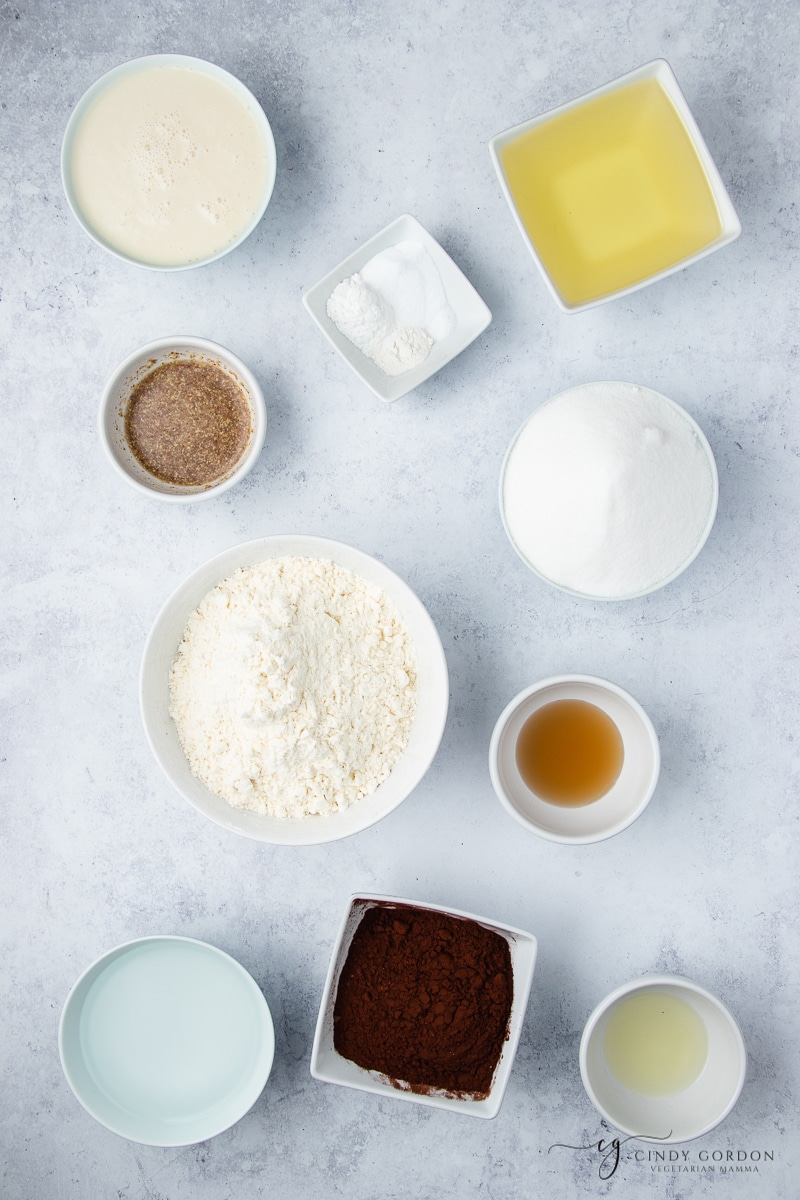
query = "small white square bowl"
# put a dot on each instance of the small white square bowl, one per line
(472, 315)
(330, 1067)
(658, 69)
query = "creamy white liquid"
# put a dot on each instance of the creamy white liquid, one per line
(169, 165)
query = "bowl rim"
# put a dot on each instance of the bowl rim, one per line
(712, 513)
(131, 67)
(646, 983)
(522, 985)
(660, 69)
(403, 227)
(516, 703)
(215, 350)
(231, 963)
(250, 553)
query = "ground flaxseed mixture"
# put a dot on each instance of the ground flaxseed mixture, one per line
(188, 422)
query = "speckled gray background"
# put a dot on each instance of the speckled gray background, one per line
(379, 109)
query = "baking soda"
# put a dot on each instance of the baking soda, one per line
(394, 308)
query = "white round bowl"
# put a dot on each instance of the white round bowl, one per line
(166, 1041)
(620, 806)
(684, 1115)
(426, 730)
(111, 419)
(679, 567)
(131, 68)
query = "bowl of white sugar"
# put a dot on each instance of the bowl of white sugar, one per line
(609, 491)
(168, 162)
(294, 690)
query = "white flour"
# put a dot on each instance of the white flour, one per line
(607, 490)
(294, 688)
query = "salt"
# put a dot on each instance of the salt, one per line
(395, 308)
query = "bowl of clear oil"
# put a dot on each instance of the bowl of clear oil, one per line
(614, 190)
(663, 1059)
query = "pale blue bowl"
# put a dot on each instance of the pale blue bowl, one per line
(166, 1041)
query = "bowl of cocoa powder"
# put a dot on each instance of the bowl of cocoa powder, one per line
(423, 1003)
(182, 419)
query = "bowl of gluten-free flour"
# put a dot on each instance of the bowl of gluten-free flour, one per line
(294, 690)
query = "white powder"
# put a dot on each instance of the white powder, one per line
(607, 490)
(294, 688)
(395, 308)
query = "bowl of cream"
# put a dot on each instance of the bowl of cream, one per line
(609, 491)
(168, 162)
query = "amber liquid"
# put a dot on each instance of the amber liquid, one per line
(569, 752)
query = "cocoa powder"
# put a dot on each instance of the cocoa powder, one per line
(424, 998)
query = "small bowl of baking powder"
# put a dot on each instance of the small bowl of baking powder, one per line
(182, 419)
(398, 309)
(294, 690)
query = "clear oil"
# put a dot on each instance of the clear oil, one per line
(569, 752)
(655, 1044)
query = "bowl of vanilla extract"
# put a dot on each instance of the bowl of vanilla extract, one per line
(574, 759)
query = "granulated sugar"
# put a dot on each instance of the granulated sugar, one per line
(294, 688)
(608, 490)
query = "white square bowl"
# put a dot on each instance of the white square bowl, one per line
(330, 1067)
(660, 70)
(472, 315)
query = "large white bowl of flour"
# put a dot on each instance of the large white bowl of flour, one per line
(609, 491)
(423, 737)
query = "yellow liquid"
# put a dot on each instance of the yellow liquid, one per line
(611, 192)
(655, 1044)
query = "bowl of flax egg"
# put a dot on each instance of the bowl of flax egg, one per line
(182, 419)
